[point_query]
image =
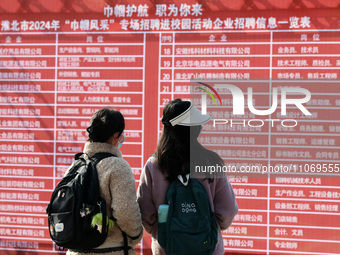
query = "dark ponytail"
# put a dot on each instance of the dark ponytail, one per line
(104, 124)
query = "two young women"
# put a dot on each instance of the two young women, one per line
(182, 125)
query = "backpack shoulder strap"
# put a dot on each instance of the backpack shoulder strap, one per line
(99, 156)
(200, 192)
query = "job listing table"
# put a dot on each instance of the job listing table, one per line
(51, 83)
(277, 213)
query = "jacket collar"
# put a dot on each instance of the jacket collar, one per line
(91, 149)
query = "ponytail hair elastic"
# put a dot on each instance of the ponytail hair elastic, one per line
(89, 129)
(166, 123)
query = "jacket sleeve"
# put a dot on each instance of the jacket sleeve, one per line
(225, 203)
(145, 199)
(124, 202)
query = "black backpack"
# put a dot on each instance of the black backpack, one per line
(191, 226)
(74, 202)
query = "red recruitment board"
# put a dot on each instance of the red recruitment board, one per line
(60, 61)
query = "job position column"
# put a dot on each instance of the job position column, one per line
(305, 216)
(97, 71)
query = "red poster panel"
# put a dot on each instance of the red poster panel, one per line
(60, 61)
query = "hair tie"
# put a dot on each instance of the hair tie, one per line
(166, 123)
(90, 129)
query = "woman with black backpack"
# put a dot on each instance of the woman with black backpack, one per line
(117, 186)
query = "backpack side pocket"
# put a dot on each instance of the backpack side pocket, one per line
(161, 232)
(61, 216)
(61, 227)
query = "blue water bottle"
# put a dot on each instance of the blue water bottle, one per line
(163, 213)
(162, 217)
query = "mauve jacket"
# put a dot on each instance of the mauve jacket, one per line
(151, 194)
(118, 187)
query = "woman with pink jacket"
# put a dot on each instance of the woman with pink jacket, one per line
(182, 125)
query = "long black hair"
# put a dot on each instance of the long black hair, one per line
(178, 149)
(105, 123)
